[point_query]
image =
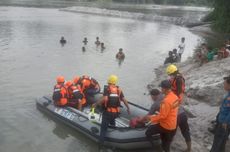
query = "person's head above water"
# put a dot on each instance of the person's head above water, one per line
(170, 53)
(154, 94)
(182, 39)
(174, 50)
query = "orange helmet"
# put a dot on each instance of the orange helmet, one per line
(76, 79)
(86, 82)
(60, 79)
(69, 83)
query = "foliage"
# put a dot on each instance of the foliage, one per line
(172, 2)
(221, 16)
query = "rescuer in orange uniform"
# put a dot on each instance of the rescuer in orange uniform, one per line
(177, 81)
(111, 101)
(60, 92)
(74, 95)
(165, 122)
(89, 87)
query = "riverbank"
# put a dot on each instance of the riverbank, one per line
(204, 90)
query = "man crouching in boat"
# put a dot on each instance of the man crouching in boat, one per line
(75, 97)
(89, 86)
(112, 96)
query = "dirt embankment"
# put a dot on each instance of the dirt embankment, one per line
(204, 90)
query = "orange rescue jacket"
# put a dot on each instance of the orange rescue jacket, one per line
(112, 102)
(167, 117)
(178, 90)
(60, 95)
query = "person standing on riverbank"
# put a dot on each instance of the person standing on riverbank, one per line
(223, 121)
(169, 59)
(178, 87)
(177, 81)
(181, 48)
(182, 119)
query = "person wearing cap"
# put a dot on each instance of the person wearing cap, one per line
(177, 81)
(112, 96)
(165, 122)
(60, 92)
(223, 121)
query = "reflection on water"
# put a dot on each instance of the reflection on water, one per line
(120, 61)
(31, 57)
(60, 131)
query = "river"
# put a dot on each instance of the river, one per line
(31, 57)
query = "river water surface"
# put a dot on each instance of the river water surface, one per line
(31, 57)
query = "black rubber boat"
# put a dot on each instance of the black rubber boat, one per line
(121, 136)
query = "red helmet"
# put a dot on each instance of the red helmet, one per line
(76, 79)
(69, 83)
(60, 79)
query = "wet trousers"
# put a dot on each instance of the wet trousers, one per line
(182, 122)
(166, 135)
(108, 118)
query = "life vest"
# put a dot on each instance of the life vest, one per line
(87, 82)
(77, 88)
(113, 102)
(175, 87)
(60, 95)
(72, 91)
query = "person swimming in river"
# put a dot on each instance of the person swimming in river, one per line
(83, 49)
(85, 41)
(97, 42)
(63, 41)
(102, 47)
(120, 55)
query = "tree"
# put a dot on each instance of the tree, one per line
(221, 15)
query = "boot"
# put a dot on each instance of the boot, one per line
(189, 145)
